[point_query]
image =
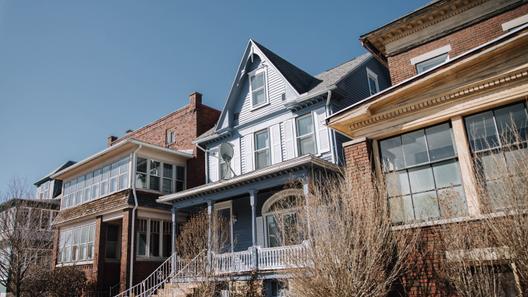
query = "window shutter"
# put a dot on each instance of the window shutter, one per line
(260, 232)
(323, 142)
(212, 161)
(276, 152)
(235, 162)
(289, 140)
(248, 153)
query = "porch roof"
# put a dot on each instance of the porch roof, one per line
(255, 180)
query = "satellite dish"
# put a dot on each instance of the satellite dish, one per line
(226, 152)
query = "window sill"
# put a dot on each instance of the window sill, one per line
(253, 108)
(151, 259)
(74, 263)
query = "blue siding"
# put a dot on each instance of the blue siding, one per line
(242, 227)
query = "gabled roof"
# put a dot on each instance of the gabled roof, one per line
(48, 176)
(305, 84)
(300, 80)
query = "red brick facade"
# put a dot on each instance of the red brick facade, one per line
(188, 123)
(461, 41)
(358, 158)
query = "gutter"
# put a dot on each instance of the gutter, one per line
(134, 209)
(308, 95)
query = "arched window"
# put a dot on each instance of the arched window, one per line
(281, 213)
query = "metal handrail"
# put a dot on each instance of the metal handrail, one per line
(168, 269)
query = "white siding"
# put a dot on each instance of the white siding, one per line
(276, 86)
(235, 162)
(288, 139)
(276, 148)
(212, 162)
(323, 142)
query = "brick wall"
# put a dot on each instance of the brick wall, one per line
(358, 160)
(461, 41)
(188, 123)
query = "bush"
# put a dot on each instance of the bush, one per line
(61, 282)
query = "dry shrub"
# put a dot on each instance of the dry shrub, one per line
(353, 249)
(488, 255)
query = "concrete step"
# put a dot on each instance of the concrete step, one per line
(176, 290)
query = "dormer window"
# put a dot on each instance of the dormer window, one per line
(257, 85)
(373, 84)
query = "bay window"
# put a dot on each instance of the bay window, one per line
(498, 141)
(422, 175)
(97, 183)
(305, 134)
(159, 176)
(76, 244)
(262, 149)
(153, 238)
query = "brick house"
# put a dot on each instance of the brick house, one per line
(460, 76)
(109, 223)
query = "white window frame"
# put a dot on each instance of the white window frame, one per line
(70, 231)
(372, 75)
(147, 239)
(268, 148)
(258, 71)
(226, 205)
(298, 137)
(170, 137)
(71, 192)
(174, 177)
(43, 191)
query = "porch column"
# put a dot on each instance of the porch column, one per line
(98, 256)
(174, 227)
(253, 202)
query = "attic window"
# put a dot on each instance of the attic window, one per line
(170, 137)
(257, 87)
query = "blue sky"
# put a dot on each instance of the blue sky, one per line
(74, 72)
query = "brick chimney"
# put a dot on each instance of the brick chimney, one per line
(195, 99)
(110, 140)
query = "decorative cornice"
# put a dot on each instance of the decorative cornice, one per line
(436, 19)
(470, 90)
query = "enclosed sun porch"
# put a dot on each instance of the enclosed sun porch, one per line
(252, 219)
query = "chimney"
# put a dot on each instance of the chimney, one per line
(195, 99)
(110, 140)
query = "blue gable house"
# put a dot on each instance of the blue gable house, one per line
(269, 142)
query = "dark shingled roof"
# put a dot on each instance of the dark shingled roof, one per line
(298, 78)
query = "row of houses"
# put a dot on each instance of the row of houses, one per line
(437, 87)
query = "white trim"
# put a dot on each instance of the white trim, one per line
(431, 54)
(268, 147)
(227, 205)
(263, 70)
(507, 26)
(113, 216)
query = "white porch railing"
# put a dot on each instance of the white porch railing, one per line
(234, 262)
(283, 257)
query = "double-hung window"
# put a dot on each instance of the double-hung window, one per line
(170, 137)
(430, 63)
(422, 175)
(305, 134)
(262, 149)
(257, 84)
(43, 191)
(154, 238)
(159, 176)
(499, 142)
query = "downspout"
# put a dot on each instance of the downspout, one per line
(206, 162)
(333, 136)
(132, 182)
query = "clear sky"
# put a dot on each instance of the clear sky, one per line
(74, 72)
